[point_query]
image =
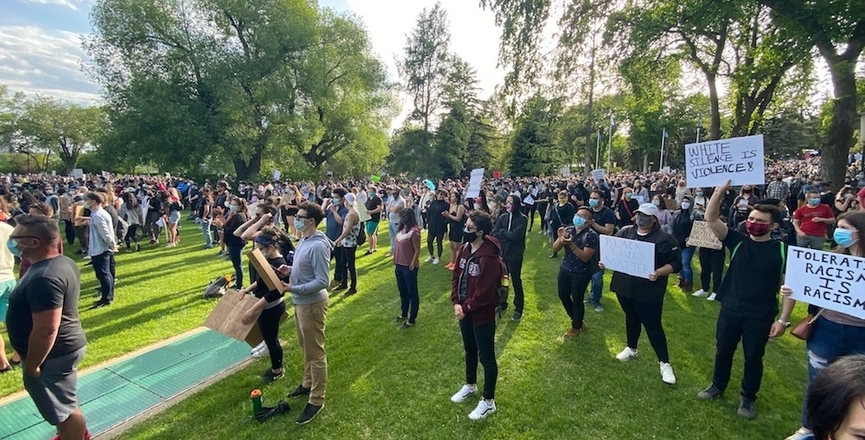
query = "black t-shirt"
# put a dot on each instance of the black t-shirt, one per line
(155, 207)
(205, 203)
(604, 217)
(47, 285)
(374, 203)
(231, 225)
(261, 290)
(115, 217)
(750, 286)
(562, 215)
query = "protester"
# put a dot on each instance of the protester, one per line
(395, 204)
(130, 212)
(604, 223)
(231, 237)
(270, 307)
(406, 266)
(346, 244)
(836, 401)
(682, 225)
(749, 303)
(7, 283)
(374, 208)
(560, 214)
(642, 299)
(811, 222)
(581, 245)
(626, 208)
(455, 216)
(437, 226)
(103, 244)
(834, 334)
(43, 322)
(510, 230)
(473, 294)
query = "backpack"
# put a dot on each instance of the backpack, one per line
(361, 236)
(217, 287)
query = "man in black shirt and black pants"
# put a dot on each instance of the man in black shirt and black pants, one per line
(749, 298)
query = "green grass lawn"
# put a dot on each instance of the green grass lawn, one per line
(389, 383)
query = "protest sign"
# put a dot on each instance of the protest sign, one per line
(566, 171)
(265, 272)
(828, 280)
(106, 175)
(78, 173)
(598, 175)
(225, 317)
(665, 170)
(636, 258)
(497, 174)
(702, 236)
(277, 175)
(477, 178)
(712, 163)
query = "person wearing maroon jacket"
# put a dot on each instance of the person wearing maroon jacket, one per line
(476, 278)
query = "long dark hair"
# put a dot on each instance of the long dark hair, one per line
(407, 220)
(833, 392)
(130, 200)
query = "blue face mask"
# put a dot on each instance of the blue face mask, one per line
(335, 200)
(233, 208)
(844, 237)
(594, 203)
(579, 222)
(815, 201)
(299, 224)
(656, 203)
(629, 195)
(12, 245)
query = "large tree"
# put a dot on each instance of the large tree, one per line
(837, 30)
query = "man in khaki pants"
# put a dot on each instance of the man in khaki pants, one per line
(309, 277)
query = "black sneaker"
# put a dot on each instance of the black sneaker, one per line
(517, 316)
(309, 413)
(299, 391)
(406, 325)
(747, 408)
(269, 376)
(399, 319)
(710, 393)
(340, 287)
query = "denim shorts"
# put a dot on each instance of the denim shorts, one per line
(54, 391)
(174, 218)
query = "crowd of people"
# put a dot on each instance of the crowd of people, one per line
(304, 228)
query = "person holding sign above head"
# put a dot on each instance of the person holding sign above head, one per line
(834, 334)
(749, 299)
(581, 247)
(811, 221)
(642, 299)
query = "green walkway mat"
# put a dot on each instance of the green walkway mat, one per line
(113, 394)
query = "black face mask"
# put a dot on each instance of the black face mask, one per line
(469, 237)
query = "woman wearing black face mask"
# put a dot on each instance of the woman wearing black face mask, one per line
(683, 223)
(642, 299)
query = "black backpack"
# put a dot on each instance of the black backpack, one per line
(361, 236)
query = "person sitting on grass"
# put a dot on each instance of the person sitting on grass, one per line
(270, 305)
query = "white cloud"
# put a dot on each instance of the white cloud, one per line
(48, 62)
(71, 4)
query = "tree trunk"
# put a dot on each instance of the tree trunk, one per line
(715, 107)
(244, 169)
(836, 146)
(587, 152)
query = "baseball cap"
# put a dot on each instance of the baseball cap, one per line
(648, 209)
(350, 199)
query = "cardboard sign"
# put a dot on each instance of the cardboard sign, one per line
(702, 236)
(225, 317)
(267, 274)
(474, 188)
(635, 258)
(276, 176)
(598, 175)
(712, 163)
(78, 215)
(828, 280)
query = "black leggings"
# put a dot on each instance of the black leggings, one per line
(542, 209)
(572, 290)
(437, 237)
(711, 267)
(132, 235)
(349, 257)
(647, 313)
(479, 343)
(268, 323)
(529, 211)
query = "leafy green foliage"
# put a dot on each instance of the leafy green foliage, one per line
(534, 141)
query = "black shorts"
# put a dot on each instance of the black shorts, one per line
(53, 391)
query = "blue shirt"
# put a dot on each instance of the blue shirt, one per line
(332, 229)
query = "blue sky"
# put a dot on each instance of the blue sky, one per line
(40, 41)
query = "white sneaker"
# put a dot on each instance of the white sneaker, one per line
(700, 293)
(626, 354)
(464, 393)
(260, 353)
(428, 259)
(712, 296)
(799, 435)
(436, 261)
(258, 348)
(667, 373)
(483, 409)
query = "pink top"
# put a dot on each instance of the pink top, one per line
(405, 244)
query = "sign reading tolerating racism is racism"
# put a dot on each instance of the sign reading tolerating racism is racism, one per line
(829, 280)
(636, 258)
(712, 163)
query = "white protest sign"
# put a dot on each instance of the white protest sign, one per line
(477, 178)
(566, 171)
(702, 236)
(712, 163)
(276, 175)
(78, 173)
(598, 175)
(828, 280)
(636, 258)
(665, 170)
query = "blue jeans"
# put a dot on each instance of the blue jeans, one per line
(391, 231)
(205, 229)
(597, 287)
(406, 282)
(102, 267)
(687, 270)
(234, 256)
(830, 341)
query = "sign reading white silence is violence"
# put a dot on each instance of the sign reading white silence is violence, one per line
(829, 280)
(712, 163)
